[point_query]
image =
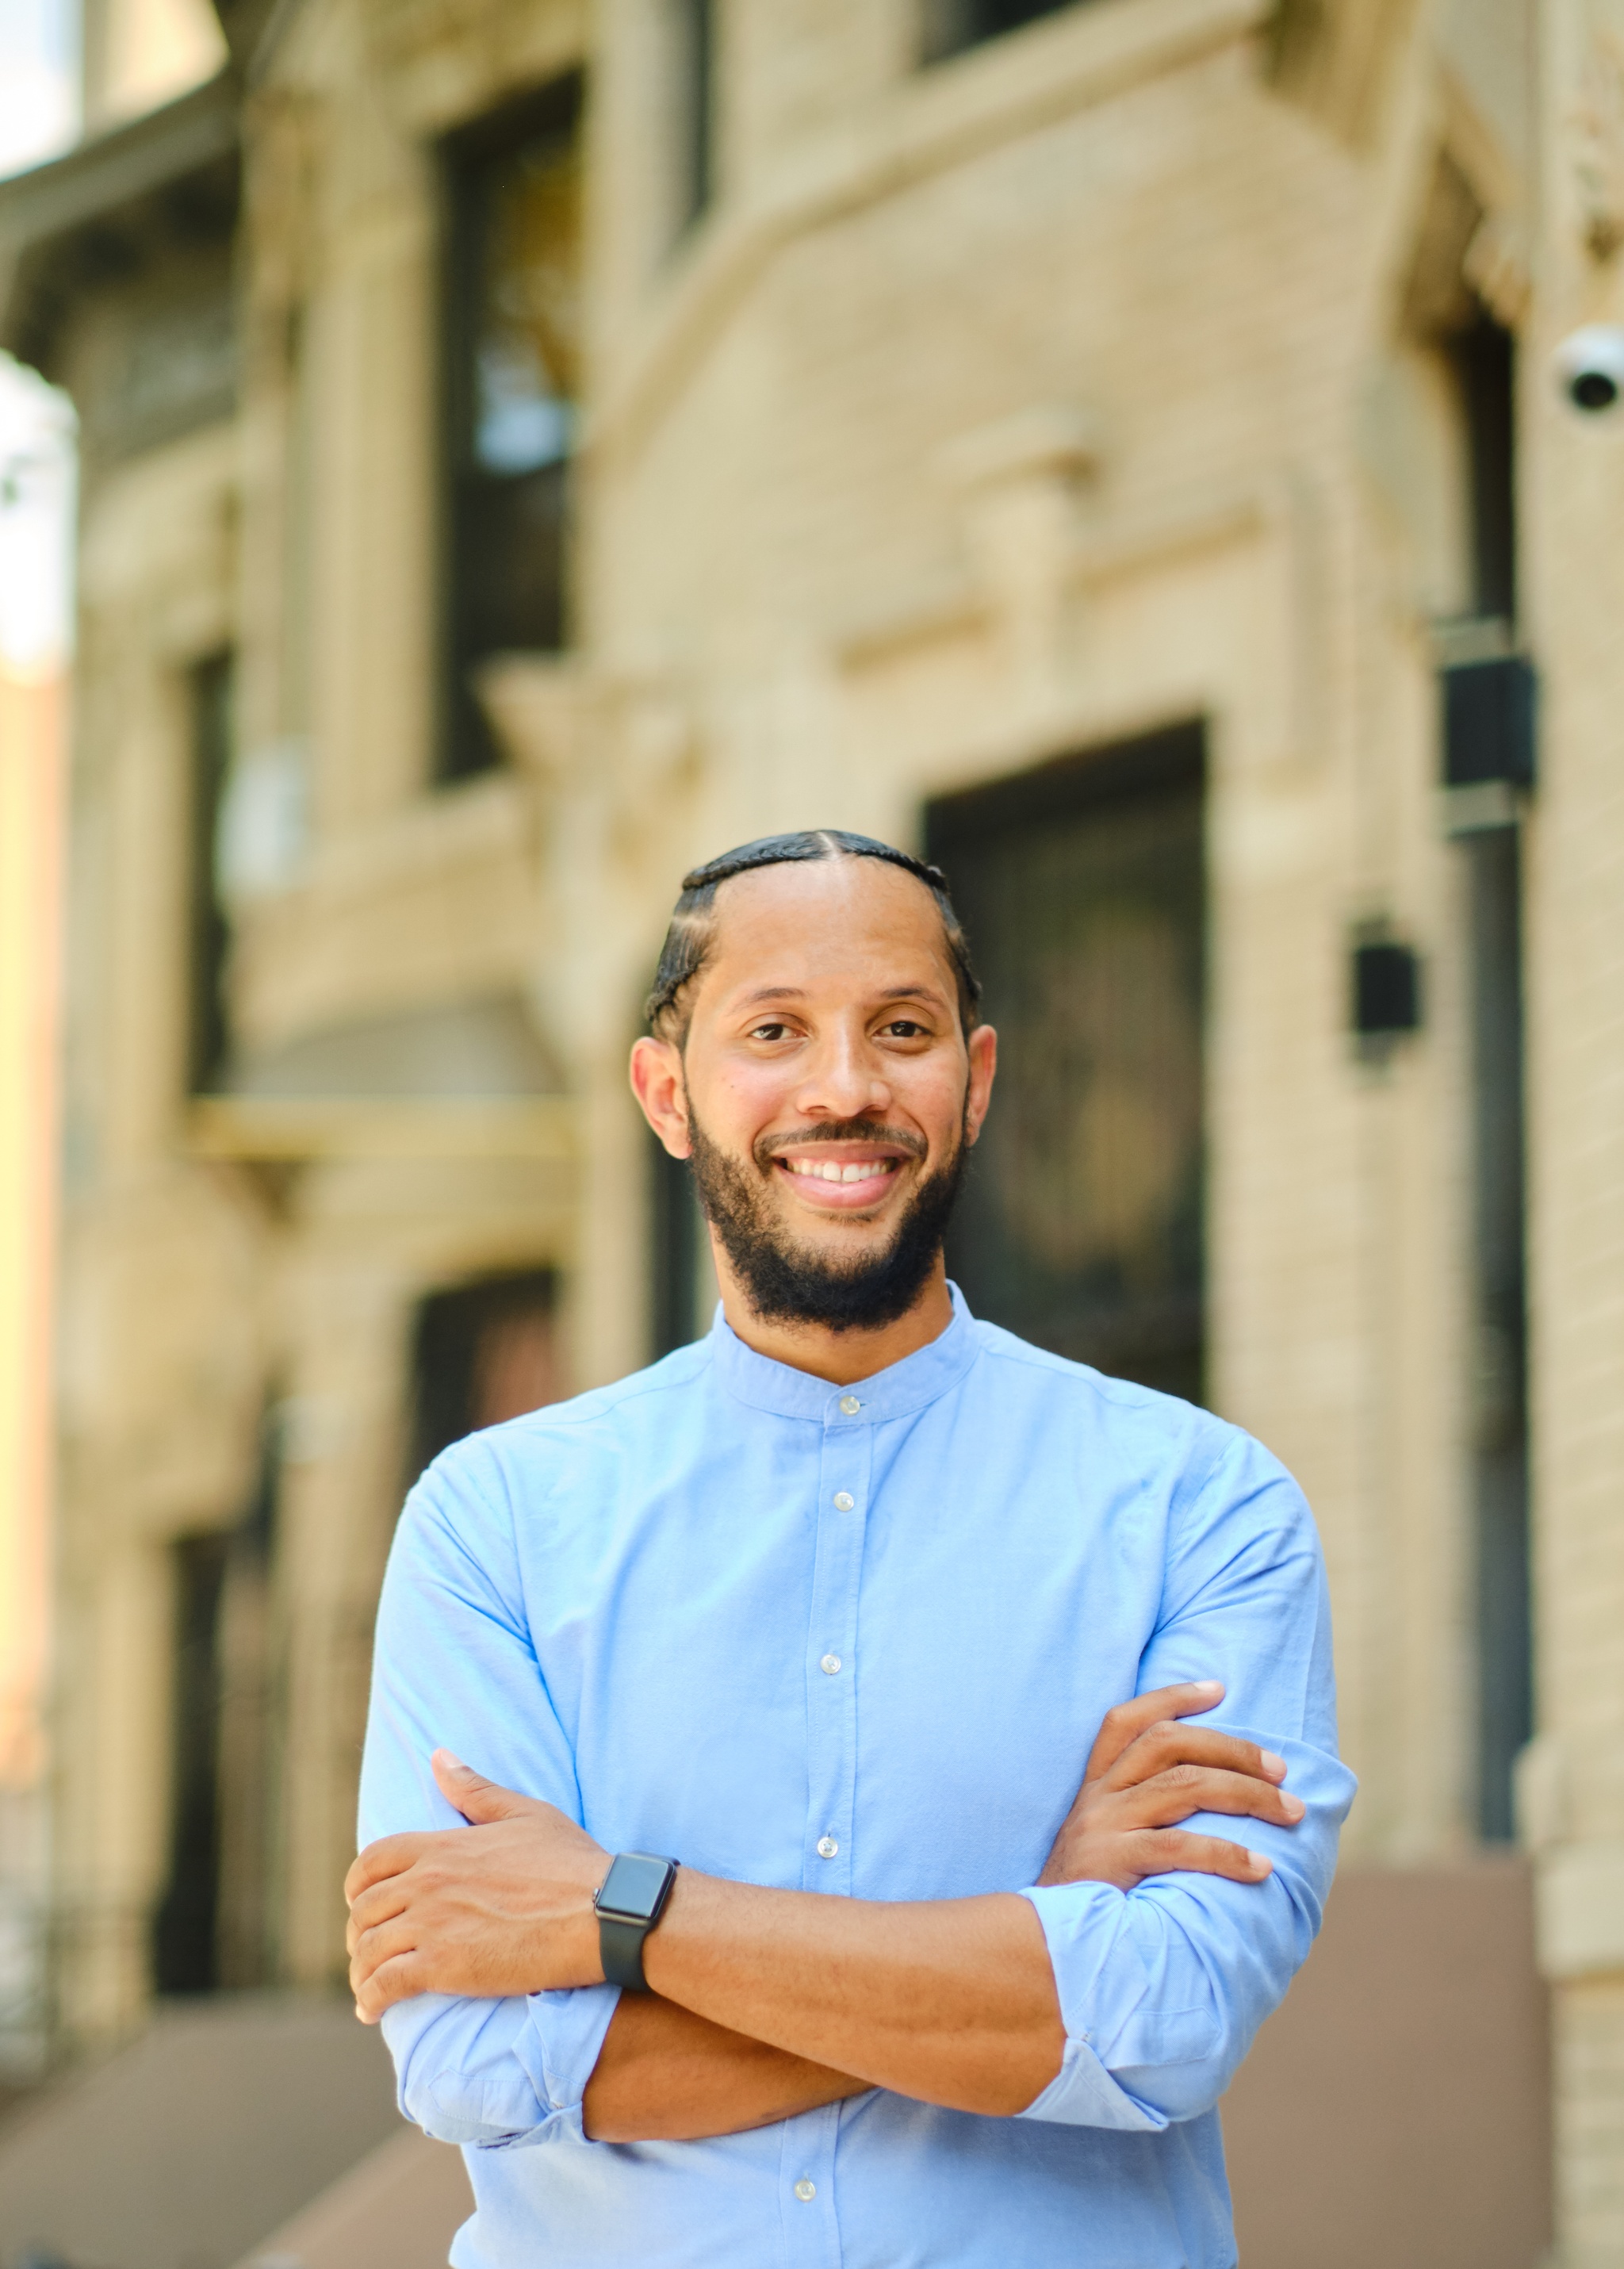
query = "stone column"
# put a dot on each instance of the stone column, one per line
(1573, 1783)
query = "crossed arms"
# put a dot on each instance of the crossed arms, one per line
(768, 2003)
(1112, 1993)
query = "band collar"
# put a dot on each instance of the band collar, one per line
(918, 1378)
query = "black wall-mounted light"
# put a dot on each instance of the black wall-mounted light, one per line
(1490, 716)
(1387, 989)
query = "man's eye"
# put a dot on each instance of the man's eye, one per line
(768, 1032)
(903, 1028)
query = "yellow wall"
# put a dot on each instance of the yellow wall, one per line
(31, 716)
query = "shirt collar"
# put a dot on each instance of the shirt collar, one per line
(918, 1378)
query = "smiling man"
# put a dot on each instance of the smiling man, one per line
(791, 1841)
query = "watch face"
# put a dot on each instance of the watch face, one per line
(632, 1886)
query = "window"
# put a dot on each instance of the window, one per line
(512, 385)
(1482, 357)
(210, 942)
(949, 26)
(692, 33)
(1082, 886)
(484, 1352)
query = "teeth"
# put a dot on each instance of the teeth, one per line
(829, 1170)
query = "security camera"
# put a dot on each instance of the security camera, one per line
(1589, 366)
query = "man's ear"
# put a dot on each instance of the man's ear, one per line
(982, 1047)
(658, 1085)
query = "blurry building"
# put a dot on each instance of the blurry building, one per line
(1112, 447)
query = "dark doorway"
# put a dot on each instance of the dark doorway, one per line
(1082, 887)
(484, 1352)
(1493, 858)
(246, 1697)
(213, 1924)
(183, 1934)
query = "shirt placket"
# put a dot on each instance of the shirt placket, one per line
(828, 1854)
(831, 1663)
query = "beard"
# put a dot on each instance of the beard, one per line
(789, 1282)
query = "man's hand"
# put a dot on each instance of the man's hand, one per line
(1145, 1773)
(502, 1906)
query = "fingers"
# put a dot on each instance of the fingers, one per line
(475, 1798)
(1128, 1720)
(374, 1947)
(1170, 1850)
(378, 1904)
(391, 1855)
(1166, 1744)
(397, 1980)
(1173, 1795)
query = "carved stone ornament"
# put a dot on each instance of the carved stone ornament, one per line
(1597, 120)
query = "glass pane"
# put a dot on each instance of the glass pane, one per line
(513, 352)
(527, 342)
(1081, 888)
(949, 26)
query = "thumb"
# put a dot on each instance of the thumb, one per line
(478, 1799)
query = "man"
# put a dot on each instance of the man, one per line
(831, 1609)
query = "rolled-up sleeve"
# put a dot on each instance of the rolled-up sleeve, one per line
(453, 1668)
(1162, 1988)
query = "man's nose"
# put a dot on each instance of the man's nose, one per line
(845, 1081)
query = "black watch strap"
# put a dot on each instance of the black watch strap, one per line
(630, 1902)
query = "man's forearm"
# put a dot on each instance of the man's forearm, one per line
(950, 2001)
(666, 2075)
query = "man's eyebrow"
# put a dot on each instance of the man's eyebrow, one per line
(914, 993)
(903, 991)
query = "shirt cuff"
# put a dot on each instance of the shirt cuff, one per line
(561, 2041)
(1080, 1929)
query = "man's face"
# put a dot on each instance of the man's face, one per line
(826, 1092)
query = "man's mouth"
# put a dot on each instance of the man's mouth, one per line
(839, 1177)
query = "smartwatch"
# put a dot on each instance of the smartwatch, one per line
(630, 1902)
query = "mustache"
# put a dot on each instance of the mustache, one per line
(839, 1130)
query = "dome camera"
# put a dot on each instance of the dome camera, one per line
(1589, 366)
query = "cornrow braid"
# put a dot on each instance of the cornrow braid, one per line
(693, 918)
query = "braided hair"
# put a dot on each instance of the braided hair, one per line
(693, 920)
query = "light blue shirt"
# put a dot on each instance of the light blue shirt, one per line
(859, 1641)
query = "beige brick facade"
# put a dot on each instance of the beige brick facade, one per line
(1084, 384)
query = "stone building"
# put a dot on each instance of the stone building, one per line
(1116, 446)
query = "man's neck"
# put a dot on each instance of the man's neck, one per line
(841, 1358)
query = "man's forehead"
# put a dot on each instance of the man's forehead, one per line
(844, 891)
(807, 921)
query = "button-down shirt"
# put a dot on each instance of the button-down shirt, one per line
(859, 1641)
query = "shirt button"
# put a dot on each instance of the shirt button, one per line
(844, 1500)
(830, 1665)
(806, 2189)
(827, 1847)
(850, 1404)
